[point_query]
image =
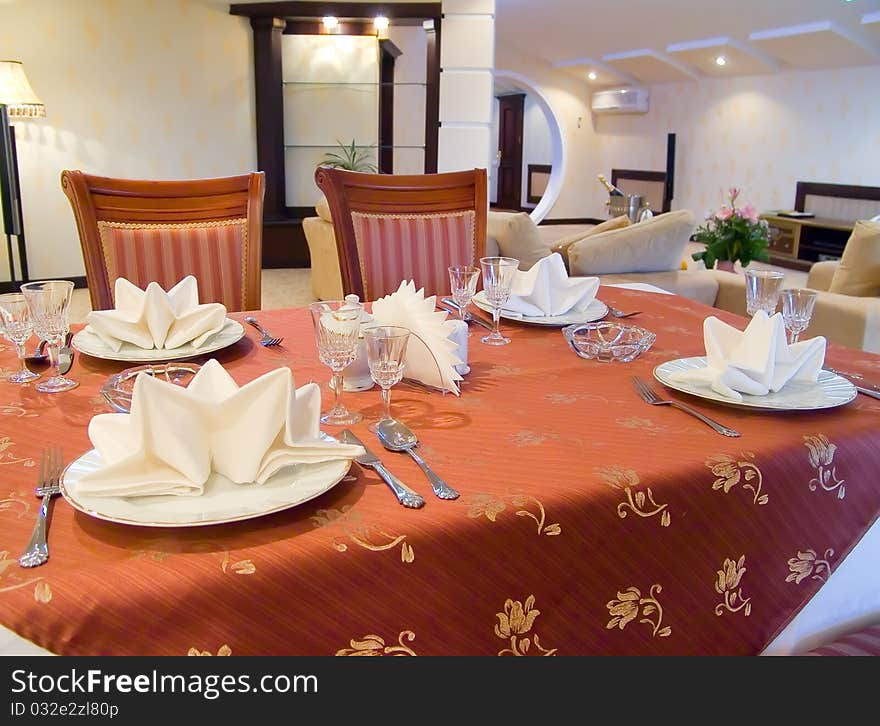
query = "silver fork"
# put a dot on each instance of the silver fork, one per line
(268, 340)
(37, 551)
(648, 394)
(619, 313)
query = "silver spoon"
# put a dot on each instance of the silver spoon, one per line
(40, 360)
(397, 436)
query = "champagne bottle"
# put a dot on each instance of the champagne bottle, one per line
(612, 190)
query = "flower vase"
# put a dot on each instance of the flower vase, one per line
(726, 265)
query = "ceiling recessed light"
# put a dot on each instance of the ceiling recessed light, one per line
(592, 75)
(721, 61)
(330, 22)
(380, 22)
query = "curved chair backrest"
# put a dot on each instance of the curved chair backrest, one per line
(163, 231)
(392, 228)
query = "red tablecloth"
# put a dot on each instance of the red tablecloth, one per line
(589, 522)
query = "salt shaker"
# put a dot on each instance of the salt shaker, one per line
(459, 335)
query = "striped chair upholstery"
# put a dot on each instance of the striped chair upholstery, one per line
(396, 247)
(861, 642)
(166, 253)
(161, 231)
(390, 228)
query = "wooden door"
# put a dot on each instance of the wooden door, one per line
(510, 139)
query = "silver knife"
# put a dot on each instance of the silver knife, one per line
(406, 496)
(868, 389)
(453, 306)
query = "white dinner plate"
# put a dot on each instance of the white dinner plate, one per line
(596, 310)
(223, 500)
(829, 391)
(85, 341)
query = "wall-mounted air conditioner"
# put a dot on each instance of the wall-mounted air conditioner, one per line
(620, 100)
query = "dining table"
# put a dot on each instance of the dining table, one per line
(589, 522)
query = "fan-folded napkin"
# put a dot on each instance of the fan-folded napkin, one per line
(154, 318)
(431, 352)
(757, 360)
(546, 289)
(174, 438)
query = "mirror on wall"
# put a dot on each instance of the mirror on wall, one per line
(522, 166)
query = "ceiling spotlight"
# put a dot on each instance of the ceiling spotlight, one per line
(380, 22)
(721, 61)
(592, 75)
(330, 23)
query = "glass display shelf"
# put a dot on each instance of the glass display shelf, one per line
(357, 146)
(354, 83)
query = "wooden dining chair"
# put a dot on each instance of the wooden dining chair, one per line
(391, 228)
(162, 231)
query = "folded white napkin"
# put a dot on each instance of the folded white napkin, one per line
(430, 353)
(174, 437)
(154, 318)
(546, 289)
(757, 360)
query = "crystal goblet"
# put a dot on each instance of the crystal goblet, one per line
(386, 354)
(797, 310)
(762, 290)
(17, 328)
(463, 282)
(498, 276)
(49, 303)
(337, 327)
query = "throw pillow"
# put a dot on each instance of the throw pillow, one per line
(323, 209)
(517, 236)
(655, 245)
(561, 246)
(858, 273)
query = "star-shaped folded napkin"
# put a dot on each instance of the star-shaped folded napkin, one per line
(430, 353)
(546, 289)
(757, 360)
(174, 437)
(154, 318)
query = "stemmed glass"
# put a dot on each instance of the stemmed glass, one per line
(49, 303)
(386, 354)
(17, 328)
(498, 276)
(337, 329)
(797, 309)
(463, 281)
(762, 290)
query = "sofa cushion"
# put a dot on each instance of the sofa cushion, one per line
(698, 285)
(655, 245)
(517, 236)
(561, 246)
(858, 273)
(323, 209)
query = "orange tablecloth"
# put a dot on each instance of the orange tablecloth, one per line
(589, 521)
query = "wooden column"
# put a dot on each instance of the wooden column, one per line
(269, 97)
(389, 53)
(432, 98)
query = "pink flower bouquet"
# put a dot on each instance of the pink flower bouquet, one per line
(734, 234)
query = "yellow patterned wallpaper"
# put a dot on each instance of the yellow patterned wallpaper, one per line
(158, 89)
(761, 133)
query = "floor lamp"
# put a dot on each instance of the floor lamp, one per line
(17, 100)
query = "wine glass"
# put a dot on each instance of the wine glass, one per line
(17, 328)
(463, 281)
(797, 309)
(386, 354)
(337, 329)
(498, 276)
(762, 290)
(49, 303)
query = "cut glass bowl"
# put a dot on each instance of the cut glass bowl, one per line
(119, 387)
(608, 341)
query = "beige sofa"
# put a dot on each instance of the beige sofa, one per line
(849, 320)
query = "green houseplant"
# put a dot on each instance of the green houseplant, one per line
(349, 157)
(732, 235)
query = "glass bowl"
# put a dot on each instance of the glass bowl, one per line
(608, 341)
(119, 387)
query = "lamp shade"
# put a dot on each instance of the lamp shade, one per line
(16, 93)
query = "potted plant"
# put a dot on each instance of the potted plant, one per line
(349, 157)
(733, 234)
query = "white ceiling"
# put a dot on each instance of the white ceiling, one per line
(653, 41)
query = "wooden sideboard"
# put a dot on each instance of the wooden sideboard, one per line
(797, 243)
